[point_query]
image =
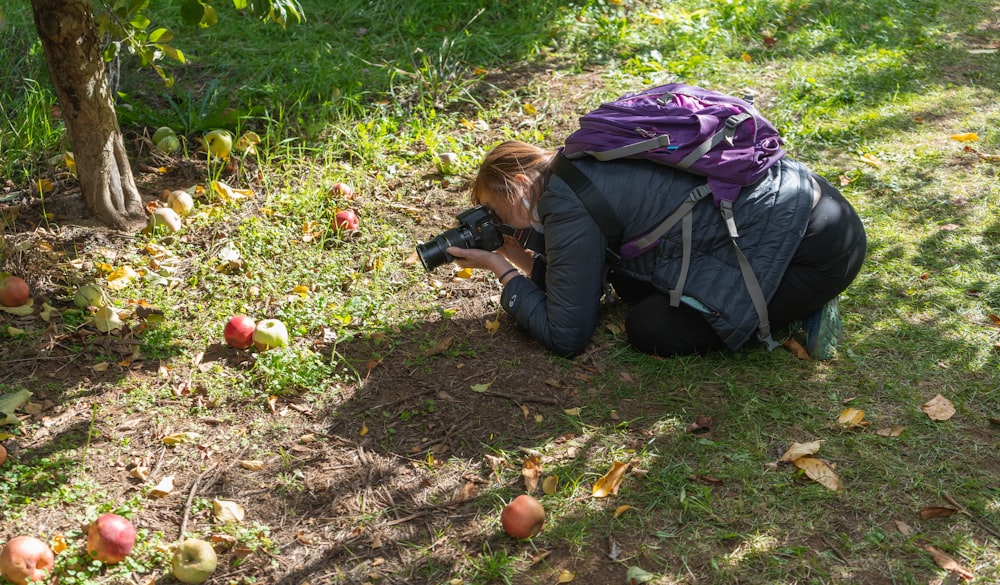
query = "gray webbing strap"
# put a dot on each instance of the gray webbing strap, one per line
(675, 294)
(751, 282)
(627, 150)
(725, 133)
(684, 209)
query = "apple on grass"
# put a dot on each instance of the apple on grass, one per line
(166, 217)
(346, 220)
(270, 333)
(238, 331)
(194, 561)
(24, 558)
(181, 202)
(342, 189)
(110, 538)
(3, 454)
(14, 291)
(523, 517)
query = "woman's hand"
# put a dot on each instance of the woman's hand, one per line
(476, 258)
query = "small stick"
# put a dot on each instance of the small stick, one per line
(187, 505)
(535, 399)
(977, 521)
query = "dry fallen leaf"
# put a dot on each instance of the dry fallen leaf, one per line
(892, 431)
(163, 488)
(798, 450)
(180, 438)
(852, 417)
(228, 511)
(622, 509)
(797, 349)
(531, 470)
(939, 408)
(565, 576)
(252, 465)
(609, 483)
(819, 471)
(949, 564)
(930, 512)
(58, 543)
(965, 137)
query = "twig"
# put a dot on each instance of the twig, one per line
(187, 505)
(977, 521)
(535, 399)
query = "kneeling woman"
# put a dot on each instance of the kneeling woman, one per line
(803, 240)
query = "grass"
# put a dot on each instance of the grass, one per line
(868, 93)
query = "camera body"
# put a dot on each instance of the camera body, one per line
(477, 228)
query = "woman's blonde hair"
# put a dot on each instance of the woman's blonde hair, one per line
(495, 179)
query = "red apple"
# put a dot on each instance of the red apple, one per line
(346, 220)
(239, 331)
(24, 558)
(110, 538)
(14, 291)
(523, 518)
(3, 454)
(342, 189)
(270, 333)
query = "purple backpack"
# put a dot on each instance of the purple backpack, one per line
(705, 132)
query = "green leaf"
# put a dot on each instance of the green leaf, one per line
(161, 35)
(240, 4)
(9, 403)
(210, 18)
(480, 387)
(171, 52)
(139, 21)
(192, 11)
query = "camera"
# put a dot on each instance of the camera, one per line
(477, 228)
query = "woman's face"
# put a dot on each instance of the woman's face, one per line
(513, 213)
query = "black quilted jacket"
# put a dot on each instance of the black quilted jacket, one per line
(771, 217)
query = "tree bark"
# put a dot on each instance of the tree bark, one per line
(76, 65)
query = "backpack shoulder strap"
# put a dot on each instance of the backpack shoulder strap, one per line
(592, 199)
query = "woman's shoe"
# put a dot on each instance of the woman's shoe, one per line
(823, 331)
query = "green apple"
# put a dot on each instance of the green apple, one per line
(166, 217)
(194, 561)
(162, 132)
(169, 143)
(219, 143)
(270, 333)
(89, 295)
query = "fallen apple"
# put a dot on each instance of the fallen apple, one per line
(346, 220)
(342, 189)
(24, 558)
(270, 333)
(3, 454)
(220, 143)
(447, 162)
(238, 331)
(14, 291)
(162, 132)
(166, 217)
(110, 538)
(194, 561)
(181, 202)
(169, 144)
(88, 295)
(523, 517)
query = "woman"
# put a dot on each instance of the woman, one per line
(803, 240)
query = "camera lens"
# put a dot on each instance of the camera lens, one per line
(432, 253)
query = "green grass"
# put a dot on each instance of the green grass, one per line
(867, 93)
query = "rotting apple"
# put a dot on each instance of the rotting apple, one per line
(166, 217)
(342, 189)
(14, 291)
(24, 558)
(346, 220)
(219, 143)
(238, 331)
(270, 333)
(194, 561)
(181, 202)
(110, 538)
(523, 517)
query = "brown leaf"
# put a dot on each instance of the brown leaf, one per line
(939, 408)
(798, 450)
(820, 472)
(701, 424)
(469, 491)
(892, 431)
(532, 471)
(797, 349)
(609, 483)
(930, 512)
(852, 417)
(949, 564)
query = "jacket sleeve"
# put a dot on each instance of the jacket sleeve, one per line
(564, 315)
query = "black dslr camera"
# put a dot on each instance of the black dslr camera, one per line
(477, 228)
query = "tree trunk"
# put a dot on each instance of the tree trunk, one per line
(76, 65)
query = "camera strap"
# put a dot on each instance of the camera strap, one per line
(529, 238)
